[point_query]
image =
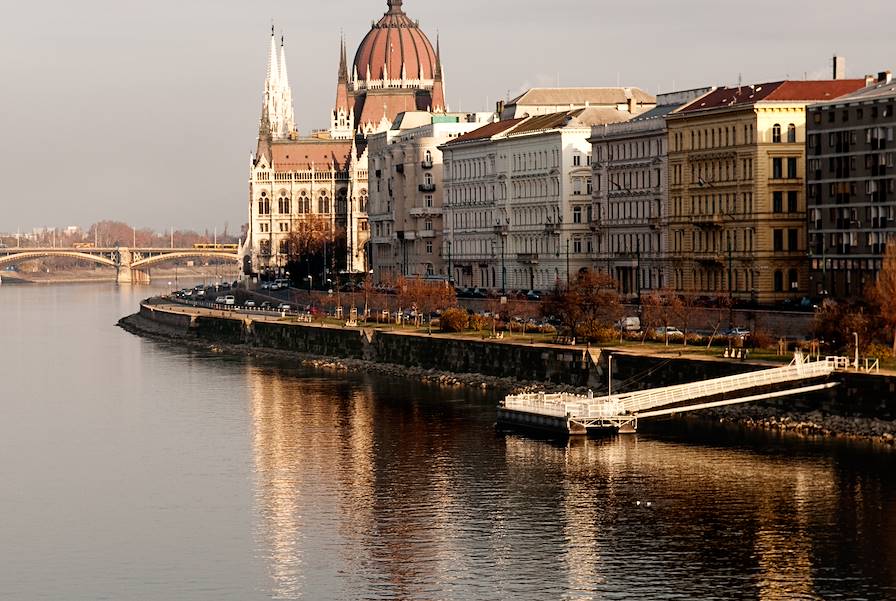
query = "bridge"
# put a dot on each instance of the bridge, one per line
(578, 414)
(132, 265)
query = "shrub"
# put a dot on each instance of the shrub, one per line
(479, 323)
(453, 320)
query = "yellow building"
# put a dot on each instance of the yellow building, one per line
(737, 208)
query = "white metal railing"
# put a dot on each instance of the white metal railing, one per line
(658, 397)
(589, 407)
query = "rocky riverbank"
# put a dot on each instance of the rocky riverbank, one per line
(813, 423)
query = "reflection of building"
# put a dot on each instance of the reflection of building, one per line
(518, 197)
(630, 196)
(736, 207)
(323, 176)
(405, 208)
(851, 191)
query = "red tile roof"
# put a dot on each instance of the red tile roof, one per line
(301, 154)
(487, 131)
(780, 91)
(371, 107)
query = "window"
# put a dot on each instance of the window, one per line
(778, 237)
(791, 167)
(777, 168)
(427, 225)
(576, 160)
(777, 202)
(577, 245)
(283, 205)
(779, 281)
(792, 245)
(427, 200)
(323, 203)
(792, 202)
(776, 133)
(793, 280)
(791, 133)
(429, 247)
(577, 215)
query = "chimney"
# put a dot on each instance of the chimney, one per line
(632, 104)
(885, 76)
(839, 67)
(869, 79)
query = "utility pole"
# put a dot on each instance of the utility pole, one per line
(730, 287)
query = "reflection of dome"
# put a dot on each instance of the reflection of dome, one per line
(394, 43)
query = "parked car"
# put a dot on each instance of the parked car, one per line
(229, 300)
(219, 300)
(737, 332)
(265, 305)
(284, 307)
(265, 285)
(533, 295)
(671, 332)
(249, 303)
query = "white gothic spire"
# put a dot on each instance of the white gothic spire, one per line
(277, 112)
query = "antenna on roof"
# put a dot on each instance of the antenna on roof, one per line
(739, 82)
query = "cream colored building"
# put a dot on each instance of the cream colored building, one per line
(405, 208)
(518, 199)
(737, 209)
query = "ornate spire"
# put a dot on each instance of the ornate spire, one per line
(394, 7)
(343, 66)
(277, 115)
(438, 73)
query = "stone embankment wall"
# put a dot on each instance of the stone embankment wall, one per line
(858, 394)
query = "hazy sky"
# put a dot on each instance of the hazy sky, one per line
(146, 112)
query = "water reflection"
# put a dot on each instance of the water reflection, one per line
(374, 489)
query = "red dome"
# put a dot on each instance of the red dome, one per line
(395, 41)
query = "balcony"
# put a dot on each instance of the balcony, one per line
(501, 229)
(426, 234)
(551, 228)
(426, 164)
(653, 222)
(706, 221)
(595, 225)
(421, 211)
(527, 258)
(710, 259)
(427, 187)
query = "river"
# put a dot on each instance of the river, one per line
(131, 469)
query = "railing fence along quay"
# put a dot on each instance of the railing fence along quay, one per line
(580, 412)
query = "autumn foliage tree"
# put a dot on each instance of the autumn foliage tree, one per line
(885, 291)
(588, 307)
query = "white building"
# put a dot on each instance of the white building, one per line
(518, 199)
(630, 195)
(406, 191)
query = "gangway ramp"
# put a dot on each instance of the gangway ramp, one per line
(577, 414)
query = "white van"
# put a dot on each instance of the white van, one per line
(229, 300)
(630, 324)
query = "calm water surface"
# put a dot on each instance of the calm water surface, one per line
(136, 470)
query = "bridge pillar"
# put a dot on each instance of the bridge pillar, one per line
(129, 275)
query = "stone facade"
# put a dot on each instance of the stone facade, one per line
(736, 183)
(518, 199)
(851, 191)
(630, 197)
(405, 208)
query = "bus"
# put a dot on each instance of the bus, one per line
(229, 247)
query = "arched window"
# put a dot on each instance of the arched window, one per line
(791, 133)
(304, 203)
(793, 280)
(264, 204)
(776, 133)
(362, 199)
(427, 179)
(283, 203)
(323, 203)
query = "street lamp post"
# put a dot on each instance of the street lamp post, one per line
(450, 265)
(567, 261)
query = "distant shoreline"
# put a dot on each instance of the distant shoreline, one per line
(81, 276)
